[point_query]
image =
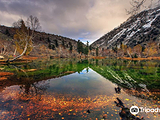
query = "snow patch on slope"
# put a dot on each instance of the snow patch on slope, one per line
(133, 33)
(118, 35)
(148, 25)
(134, 24)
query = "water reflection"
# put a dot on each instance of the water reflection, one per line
(85, 83)
(84, 89)
(117, 89)
(30, 89)
(66, 96)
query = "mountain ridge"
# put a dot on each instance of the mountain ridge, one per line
(137, 29)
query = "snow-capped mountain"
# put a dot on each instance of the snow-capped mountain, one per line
(138, 29)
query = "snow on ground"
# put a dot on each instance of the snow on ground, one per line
(133, 33)
(102, 43)
(151, 21)
(134, 24)
(117, 36)
(158, 10)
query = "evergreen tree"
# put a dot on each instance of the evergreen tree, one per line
(90, 47)
(53, 47)
(63, 44)
(50, 46)
(70, 47)
(56, 43)
(49, 40)
(97, 51)
(80, 47)
(86, 50)
(7, 32)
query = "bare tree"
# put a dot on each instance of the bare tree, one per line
(25, 34)
(135, 6)
(138, 5)
(33, 23)
(17, 24)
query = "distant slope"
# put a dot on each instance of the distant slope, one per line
(44, 44)
(138, 29)
(41, 37)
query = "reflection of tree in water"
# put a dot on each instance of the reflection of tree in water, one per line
(31, 88)
(36, 89)
(71, 66)
(87, 69)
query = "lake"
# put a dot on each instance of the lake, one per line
(72, 89)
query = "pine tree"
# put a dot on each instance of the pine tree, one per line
(80, 47)
(56, 43)
(86, 50)
(90, 47)
(50, 46)
(70, 47)
(53, 47)
(97, 51)
(63, 44)
(7, 32)
(49, 40)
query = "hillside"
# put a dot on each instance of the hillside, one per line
(39, 36)
(138, 36)
(45, 44)
(138, 29)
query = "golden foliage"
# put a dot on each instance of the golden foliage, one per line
(151, 49)
(129, 51)
(22, 38)
(124, 47)
(138, 48)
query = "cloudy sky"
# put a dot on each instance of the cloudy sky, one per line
(86, 20)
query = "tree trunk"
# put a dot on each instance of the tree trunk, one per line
(20, 54)
(15, 51)
(129, 54)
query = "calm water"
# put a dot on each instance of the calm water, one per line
(67, 89)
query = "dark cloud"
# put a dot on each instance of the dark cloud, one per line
(85, 19)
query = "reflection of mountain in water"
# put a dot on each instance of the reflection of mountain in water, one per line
(140, 76)
(70, 88)
(85, 83)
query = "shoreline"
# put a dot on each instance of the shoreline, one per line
(148, 58)
(26, 59)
